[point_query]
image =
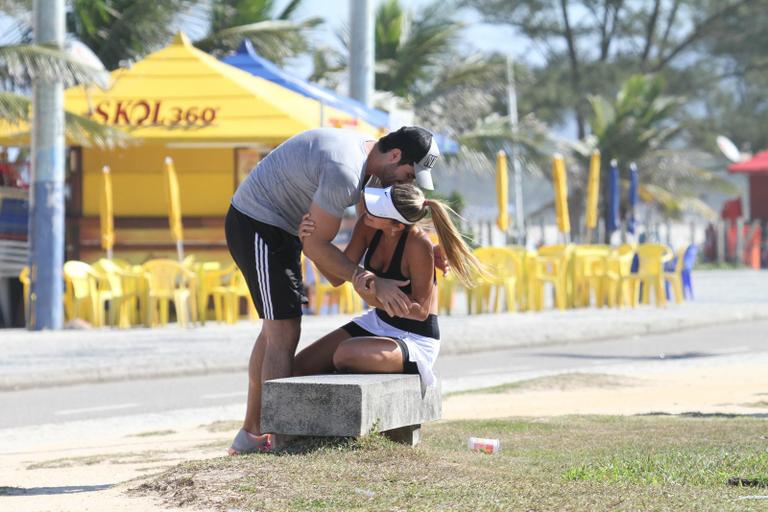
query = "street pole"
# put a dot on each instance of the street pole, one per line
(361, 51)
(46, 221)
(516, 171)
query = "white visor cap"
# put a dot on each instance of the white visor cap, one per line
(424, 166)
(378, 202)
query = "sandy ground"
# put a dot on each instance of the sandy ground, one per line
(91, 472)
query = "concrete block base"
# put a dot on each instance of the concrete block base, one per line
(410, 435)
(349, 405)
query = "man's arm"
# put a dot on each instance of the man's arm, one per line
(319, 247)
(331, 261)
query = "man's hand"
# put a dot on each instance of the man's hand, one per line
(392, 299)
(364, 283)
(441, 263)
(307, 227)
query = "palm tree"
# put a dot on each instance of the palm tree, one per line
(124, 30)
(640, 125)
(21, 64)
(409, 47)
(274, 35)
(128, 29)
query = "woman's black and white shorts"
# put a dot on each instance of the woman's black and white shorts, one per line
(270, 260)
(421, 350)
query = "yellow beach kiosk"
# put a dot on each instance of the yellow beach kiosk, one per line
(215, 121)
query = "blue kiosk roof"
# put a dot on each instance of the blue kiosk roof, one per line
(247, 59)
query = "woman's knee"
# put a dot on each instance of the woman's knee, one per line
(344, 357)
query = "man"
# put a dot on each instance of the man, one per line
(320, 172)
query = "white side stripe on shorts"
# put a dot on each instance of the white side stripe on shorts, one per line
(262, 270)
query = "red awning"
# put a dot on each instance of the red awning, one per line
(758, 164)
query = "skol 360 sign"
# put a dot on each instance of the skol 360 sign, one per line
(137, 113)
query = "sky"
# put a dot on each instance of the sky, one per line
(476, 37)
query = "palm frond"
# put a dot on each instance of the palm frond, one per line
(133, 28)
(80, 130)
(27, 62)
(87, 132)
(674, 204)
(14, 108)
(273, 39)
(289, 9)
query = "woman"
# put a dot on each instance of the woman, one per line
(395, 248)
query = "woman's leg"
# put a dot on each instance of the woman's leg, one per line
(318, 357)
(368, 355)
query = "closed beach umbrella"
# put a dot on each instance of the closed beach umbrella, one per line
(174, 206)
(612, 220)
(502, 190)
(593, 190)
(632, 199)
(106, 213)
(560, 182)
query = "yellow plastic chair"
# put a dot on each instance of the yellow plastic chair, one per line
(521, 289)
(650, 273)
(344, 295)
(85, 296)
(618, 276)
(504, 267)
(209, 277)
(589, 272)
(549, 266)
(226, 298)
(446, 288)
(167, 281)
(26, 286)
(123, 292)
(675, 278)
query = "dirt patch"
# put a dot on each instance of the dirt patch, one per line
(561, 382)
(155, 433)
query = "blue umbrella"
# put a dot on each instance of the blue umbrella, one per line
(248, 60)
(632, 199)
(612, 218)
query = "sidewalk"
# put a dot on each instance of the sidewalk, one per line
(36, 359)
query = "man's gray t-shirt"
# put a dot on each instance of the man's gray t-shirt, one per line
(325, 166)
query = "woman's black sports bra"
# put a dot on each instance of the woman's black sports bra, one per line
(427, 327)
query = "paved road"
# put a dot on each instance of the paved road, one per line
(221, 396)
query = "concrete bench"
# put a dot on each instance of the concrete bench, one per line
(349, 405)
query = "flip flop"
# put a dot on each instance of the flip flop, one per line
(245, 442)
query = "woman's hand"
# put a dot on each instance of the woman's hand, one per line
(441, 262)
(306, 228)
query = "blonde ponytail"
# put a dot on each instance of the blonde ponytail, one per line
(463, 262)
(413, 206)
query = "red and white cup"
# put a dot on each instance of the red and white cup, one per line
(489, 446)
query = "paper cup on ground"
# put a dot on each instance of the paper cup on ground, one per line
(489, 446)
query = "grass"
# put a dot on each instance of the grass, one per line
(561, 381)
(566, 463)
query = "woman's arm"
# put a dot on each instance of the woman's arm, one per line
(420, 265)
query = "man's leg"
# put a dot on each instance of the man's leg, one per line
(271, 358)
(253, 406)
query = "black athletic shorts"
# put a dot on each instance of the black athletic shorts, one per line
(356, 331)
(270, 260)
